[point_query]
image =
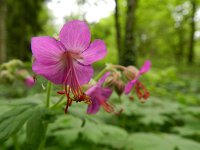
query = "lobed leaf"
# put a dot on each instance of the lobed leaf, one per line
(13, 120)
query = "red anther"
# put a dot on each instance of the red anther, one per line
(85, 98)
(131, 98)
(61, 92)
(146, 95)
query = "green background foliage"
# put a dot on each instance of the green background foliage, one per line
(168, 120)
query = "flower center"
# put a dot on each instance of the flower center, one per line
(72, 88)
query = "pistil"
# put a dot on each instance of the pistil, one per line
(71, 84)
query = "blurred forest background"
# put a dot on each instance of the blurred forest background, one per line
(165, 31)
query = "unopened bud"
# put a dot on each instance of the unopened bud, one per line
(29, 81)
(26, 77)
(130, 72)
(22, 74)
(6, 77)
(16, 63)
(119, 87)
(112, 79)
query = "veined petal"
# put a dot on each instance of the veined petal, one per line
(98, 95)
(56, 73)
(103, 78)
(96, 51)
(94, 107)
(93, 92)
(128, 87)
(106, 93)
(46, 49)
(75, 35)
(83, 72)
(146, 66)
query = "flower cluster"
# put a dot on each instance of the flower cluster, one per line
(67, 61)
(14, 70)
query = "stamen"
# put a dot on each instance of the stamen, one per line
(71, 85)
(61, 92)
(107, 107)
(141, 91)
(84, 98)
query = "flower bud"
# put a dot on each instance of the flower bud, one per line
(26, 77)
(6, 77)
(29, 81)
(22, 74)
(16, 63)
(119, 87)
(112, 78)
(130, 72)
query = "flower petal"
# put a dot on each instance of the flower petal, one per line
(128, 87)
(146, 66)
(83, 72)
(75, 35)
(96, 51)
(29, 81)
(93, 92)
(46, 49)
(103, 78)
(106, 93)
(56, 73)
(94, 107)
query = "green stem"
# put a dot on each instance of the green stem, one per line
(100, 74)
(58, 102)
(42, 144)
(49, 85)
(15, 141)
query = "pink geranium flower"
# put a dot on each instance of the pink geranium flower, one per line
(29, 81)
(99, 96)
(140, 88)
(68, 60)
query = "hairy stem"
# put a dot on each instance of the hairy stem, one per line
(48, 94)
(49, 85)
(101, 73)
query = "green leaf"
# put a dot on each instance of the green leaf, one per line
(113, 136)
(92, 132)
(104, 134)
(13, 120)
(191, 126)
(65, 129)
(36, 128)
(150, 141)
(66, 137)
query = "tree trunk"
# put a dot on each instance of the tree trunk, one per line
(180, 50)
(129, 51)
(192, 31)
(118, 30)
(2, 31)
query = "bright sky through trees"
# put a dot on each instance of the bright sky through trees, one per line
(93, 12)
